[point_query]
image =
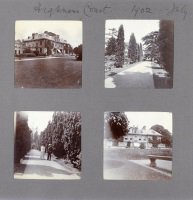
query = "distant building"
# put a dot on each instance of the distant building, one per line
(137, 137)
(46, 43)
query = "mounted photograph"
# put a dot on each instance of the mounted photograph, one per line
(139, 54)
(48, 54)
(47, 145)
(137, 146)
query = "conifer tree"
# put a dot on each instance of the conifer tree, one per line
(132, 49)
(166, 45)
(141, 51)
(151, 46)
(111, 46)
(120, 48)
(64, 133)
(22, 136)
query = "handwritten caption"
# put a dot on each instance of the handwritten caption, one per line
(172, 10)
(90, 10)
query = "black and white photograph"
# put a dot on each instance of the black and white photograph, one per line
(48, 54)
(139, 54)
(47, 145)
(138, 146)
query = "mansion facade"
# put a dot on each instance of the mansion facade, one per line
(46, 43)
(138, 138)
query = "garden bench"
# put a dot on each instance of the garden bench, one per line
(153, 159)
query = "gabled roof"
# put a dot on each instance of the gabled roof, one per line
(149, 132)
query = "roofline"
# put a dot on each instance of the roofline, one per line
(43, 39)
(143, 134)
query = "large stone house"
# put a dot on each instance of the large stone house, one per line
(141, 137)
(137, 138)
(46, 43)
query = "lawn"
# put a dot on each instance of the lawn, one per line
(48, 73)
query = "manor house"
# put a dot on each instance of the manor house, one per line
(46, 43)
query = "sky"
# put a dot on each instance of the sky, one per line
(38, 120)
(67, 30)
(149, 119)
(140, 28)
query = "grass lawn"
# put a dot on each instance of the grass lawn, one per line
(48, 73)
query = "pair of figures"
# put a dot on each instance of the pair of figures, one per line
(49, 155)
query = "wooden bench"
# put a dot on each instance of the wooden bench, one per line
(153, 159)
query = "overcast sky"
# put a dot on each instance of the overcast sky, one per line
(149, 119)
(67, 30)
(38, 120)
(140, 28)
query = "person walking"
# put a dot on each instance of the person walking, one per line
(42, 149)
(49, 152)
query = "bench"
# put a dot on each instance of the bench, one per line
(153, 159)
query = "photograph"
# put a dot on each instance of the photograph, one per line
(47, 145)
(139, 54)
(137, 146)
(48, 54)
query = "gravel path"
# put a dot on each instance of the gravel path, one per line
(32, 167)
(140, 75)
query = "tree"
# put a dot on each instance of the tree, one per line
(167, 136)
(75, 50)
(111, 47)
(151, 46)
(36, 140)
(64, 133)
(166, 45)
(117, 123)
(132, 49)
(78, 52)
(138, 52)
(70, 49)
(154, 141)
(141, 51)
(120, 48)
(22, 137)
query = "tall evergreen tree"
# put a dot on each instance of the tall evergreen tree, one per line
(151, 46)
(138, 52)
(111, 47)
(166, 45)
(132, 49)
(22, 136)
(141, 51)
(120, 48)
(64, 133)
